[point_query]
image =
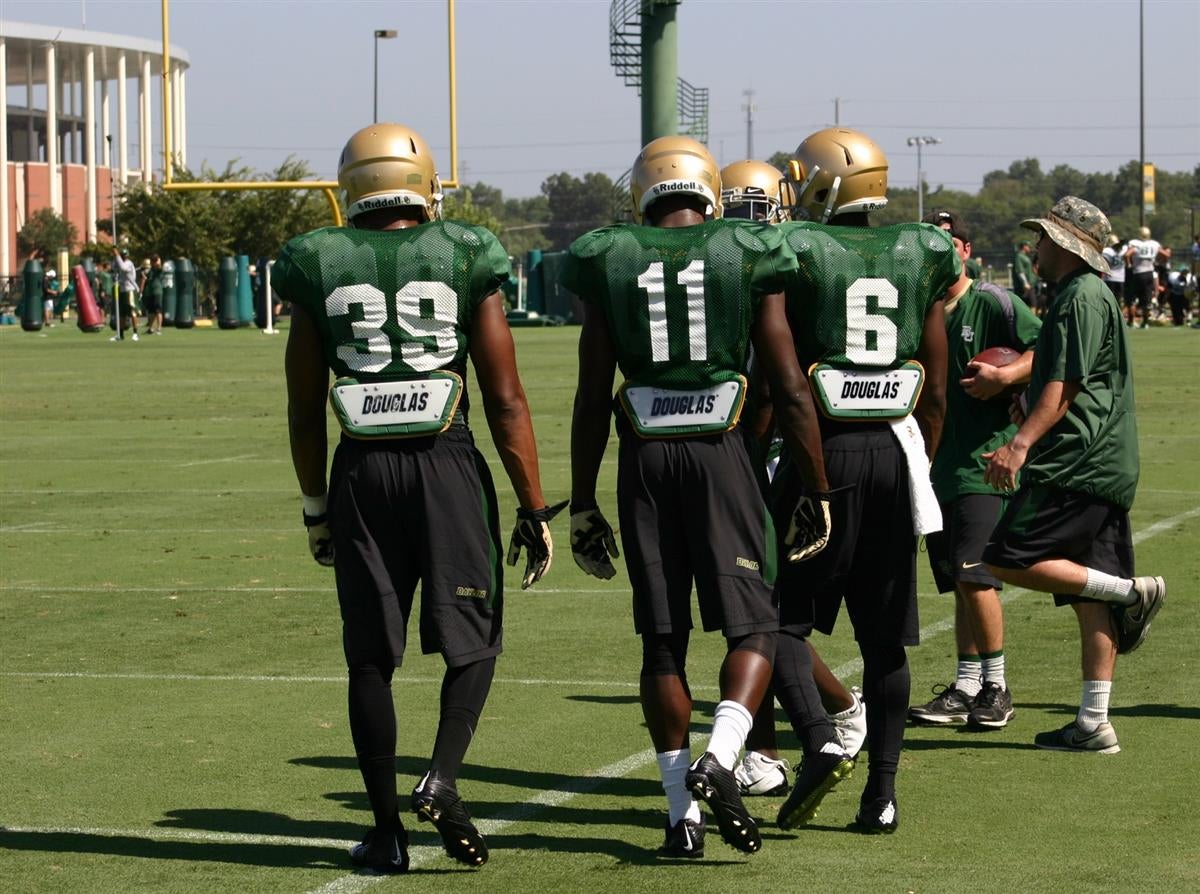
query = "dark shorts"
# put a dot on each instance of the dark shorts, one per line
(1047, 523)
(151, 302)
(416, 510)
(691, 510)
(956, 551)
(1117, 288)
(871, 559)
(128, 303)
(1142, 289)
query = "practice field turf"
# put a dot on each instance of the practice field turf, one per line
(172, 706)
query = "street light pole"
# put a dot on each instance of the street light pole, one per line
(919, 142)
(386, 35)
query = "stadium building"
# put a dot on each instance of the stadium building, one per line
(72, 125)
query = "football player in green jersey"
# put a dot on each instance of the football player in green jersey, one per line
(1066, 531)
(675, 304)
(393, 305)
(866, 310)
(978, 316)
(756, 190)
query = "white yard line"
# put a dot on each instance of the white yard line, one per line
(190, 588)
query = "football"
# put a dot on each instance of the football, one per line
(996, 356)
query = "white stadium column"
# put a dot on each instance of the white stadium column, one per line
(31, 153)
(122, 124)
(105, 126)
(89, 137)
(147, 133)
(52, 129)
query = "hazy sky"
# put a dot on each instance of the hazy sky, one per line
(996, 80)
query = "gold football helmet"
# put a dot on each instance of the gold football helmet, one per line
(386, 166)
(837, 171)
(671, 166)
(755, 190)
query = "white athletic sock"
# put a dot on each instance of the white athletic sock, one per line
(993, 669)
(1093, 705)
(731, 725)
(970, 675)
(1108, 588)
(673, 767)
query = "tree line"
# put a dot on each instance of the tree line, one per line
(208, 225)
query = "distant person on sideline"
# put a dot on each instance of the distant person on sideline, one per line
(127, 291)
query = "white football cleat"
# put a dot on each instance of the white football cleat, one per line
(758, 774)
(851, 724)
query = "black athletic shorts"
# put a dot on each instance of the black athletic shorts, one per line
(956, 551)
(691, 510)
(420, 509)
(1047, 523)
(1142, 289)
(871, 559)
(151, 303)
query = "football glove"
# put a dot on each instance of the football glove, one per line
(808, 529)
(532, 532)
(320, 540)
(592, 542)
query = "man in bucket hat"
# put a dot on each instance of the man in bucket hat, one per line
(1066, 531)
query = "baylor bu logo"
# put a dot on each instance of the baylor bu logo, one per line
(968, 334)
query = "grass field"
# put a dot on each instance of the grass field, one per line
(172, 707)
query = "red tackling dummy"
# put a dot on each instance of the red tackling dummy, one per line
(90, 318)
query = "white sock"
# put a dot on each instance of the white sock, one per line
(731, 725)
(1093, 705)
(970, 676)
(673, 767)
(993, 669)
(1108, 588)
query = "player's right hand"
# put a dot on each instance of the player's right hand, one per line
(809, 527)
(320, 539)
(592, 541)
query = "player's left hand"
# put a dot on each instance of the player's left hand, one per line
(320, 538)
(532, 532)
(808, 530)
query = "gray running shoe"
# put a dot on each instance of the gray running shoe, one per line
(1072, 738)
(949, 705)
(993, 707)
(1133, 621)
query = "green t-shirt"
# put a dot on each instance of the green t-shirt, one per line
(154, 283)
(679, 302)
(1023, 275)
(1093, 449)
(973, 427)
(859, 296)
(392, 304)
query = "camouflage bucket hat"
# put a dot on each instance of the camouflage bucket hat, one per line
(1077, 226)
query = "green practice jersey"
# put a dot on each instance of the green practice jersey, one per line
(154, 283)
(973, 427)
(392, 304)
(859, 296)
(679, 301)
(1093, 449)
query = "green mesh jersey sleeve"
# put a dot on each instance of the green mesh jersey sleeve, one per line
(679, 302)
(393, 303)
(859, 296)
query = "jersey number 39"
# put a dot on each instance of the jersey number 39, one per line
(379, 348)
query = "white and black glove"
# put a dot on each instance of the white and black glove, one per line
(809, 527)
(592, 541)
(532, 532)
(320, 540)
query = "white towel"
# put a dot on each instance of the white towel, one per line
(926, 513)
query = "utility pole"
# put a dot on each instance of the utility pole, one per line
(837, 111)
(749, 108)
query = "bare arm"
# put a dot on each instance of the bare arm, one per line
(792, 399)
(988, 380)
(593, 405)
(307, 389)
(1052, 406)
(933, 354)
(504, 403)
(761, 415)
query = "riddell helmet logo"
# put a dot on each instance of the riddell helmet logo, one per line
(677, 186)
(372, 202)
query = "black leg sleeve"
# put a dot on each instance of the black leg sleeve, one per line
(886, 685)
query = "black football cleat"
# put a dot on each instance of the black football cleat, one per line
(436, 801)
(818, 775)
(383, 850)
(712, 783)
(879, 816)
(685, 840)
